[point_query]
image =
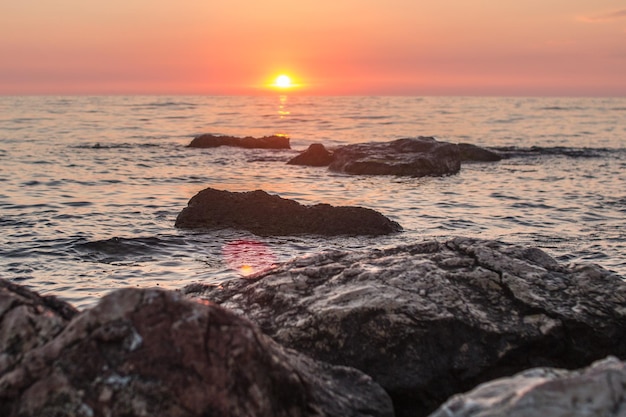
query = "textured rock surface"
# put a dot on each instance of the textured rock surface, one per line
(27, 321)
(416, 157)
(433, 319)
(152, 353)
(599, 390)
(316, 155)
(270, 215)
(266, 142)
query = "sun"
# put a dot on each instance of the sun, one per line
(283, 81)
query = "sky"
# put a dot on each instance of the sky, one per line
(327, 47)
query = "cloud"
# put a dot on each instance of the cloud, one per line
(604, 17)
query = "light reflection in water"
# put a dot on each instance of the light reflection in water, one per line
(282, 107)
(248, 257)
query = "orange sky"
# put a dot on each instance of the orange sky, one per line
(369, 47)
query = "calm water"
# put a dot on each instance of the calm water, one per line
(90, 186)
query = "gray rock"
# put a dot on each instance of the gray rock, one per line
(266, 142)
(316, 155)
(433, 319)
(270, 215)
(416, 157)
(599, 390)
(153, 353)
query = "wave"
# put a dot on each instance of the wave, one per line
(571, 152)
(118, 249)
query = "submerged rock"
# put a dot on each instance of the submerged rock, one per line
(473, 153)
(316, 155)
(599, 390)
(433, 319)
(153, 353)
(266, 142)
(270, 215)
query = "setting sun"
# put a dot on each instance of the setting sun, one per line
(283, 81)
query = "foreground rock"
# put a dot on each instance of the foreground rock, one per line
(27, 321)
(266, 142)
(151, 353)
(270, 215)
(416, 157)
(433, 319)
(599, 390)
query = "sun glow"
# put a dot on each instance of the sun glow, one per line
(283, 81)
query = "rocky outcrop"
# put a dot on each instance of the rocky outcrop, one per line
(316, 155)
(153, 353)
(599, 390)
(266, 142)
(416, 157)
(433, 319)
(270, 215)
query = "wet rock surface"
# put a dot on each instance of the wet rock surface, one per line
(266, 142)
(270, 215)
(433, 319)
(598, 390)
(153, 353)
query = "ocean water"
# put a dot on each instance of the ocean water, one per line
(90, 186)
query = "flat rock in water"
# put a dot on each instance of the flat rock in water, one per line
(154, 353)
(433, 319)
(270, 215)
(266, 142)
(598, 390)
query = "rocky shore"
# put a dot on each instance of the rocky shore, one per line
(432, 327)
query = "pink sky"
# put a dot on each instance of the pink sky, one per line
(370, 47)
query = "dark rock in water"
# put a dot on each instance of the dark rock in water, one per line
(433, 319)
(153, 353)
(471, 152)
(416, 157)
(270, 215)
(266, 142)
(316, 156)
(27, 321)
(599, 390)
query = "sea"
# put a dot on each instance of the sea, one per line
(90, 187)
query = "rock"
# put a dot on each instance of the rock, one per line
(599, 390)
(270, 215)
(316, 155)
(433, 319)
(475, 153)
(27, 321)
(416, 157)
(266, 142)
(153, 353)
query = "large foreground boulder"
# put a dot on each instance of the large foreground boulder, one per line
(266, 142)
(153, 353)
(416, 157)
(432, 319)
(599, 390)
(270, 215)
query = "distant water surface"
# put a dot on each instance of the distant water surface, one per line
(90, 186)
